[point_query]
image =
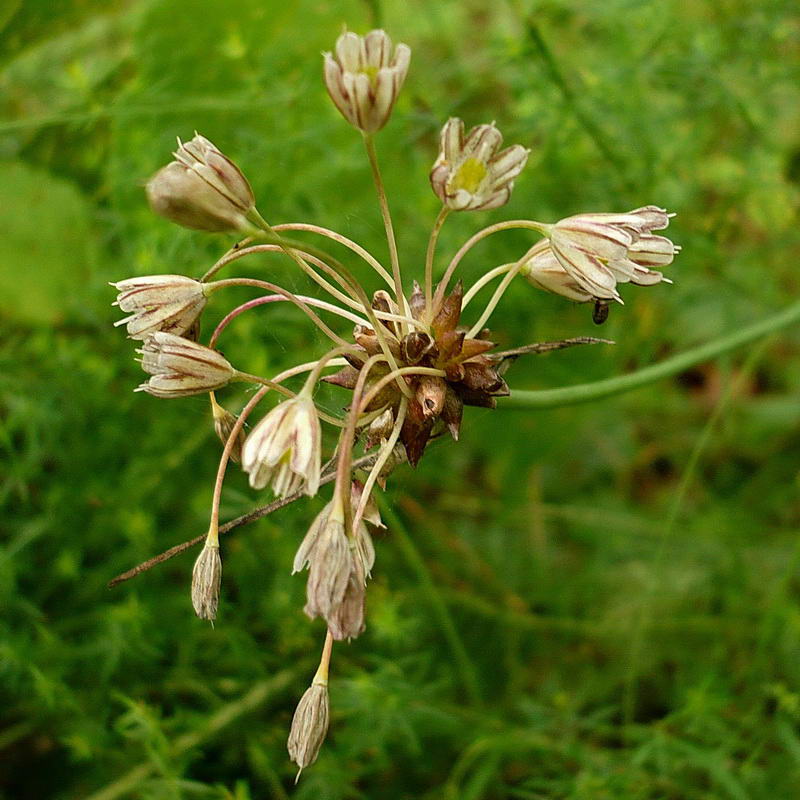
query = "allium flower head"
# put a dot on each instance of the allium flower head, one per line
(600, 250)
(364, 77)
(170, 303)
(470, 174)
(284, 448)
(180, 367)
(202, 189)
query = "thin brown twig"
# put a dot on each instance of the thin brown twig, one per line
(250, 516)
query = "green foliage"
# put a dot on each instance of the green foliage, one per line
(596, 601)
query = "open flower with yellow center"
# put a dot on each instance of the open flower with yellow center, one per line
(364, 77)
(470, 174)
(283, 449)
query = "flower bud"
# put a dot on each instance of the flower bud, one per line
(169, 303)
(470, 174)
(309, 725)
(363, 77)
(206, 578)
(179, 367)
(202, 189)
(284, 449)
(224, 423)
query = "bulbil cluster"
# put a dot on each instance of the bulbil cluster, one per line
(408, 360)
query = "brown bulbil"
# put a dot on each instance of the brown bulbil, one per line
(471, 375)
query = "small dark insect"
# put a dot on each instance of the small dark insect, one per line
(600, 313)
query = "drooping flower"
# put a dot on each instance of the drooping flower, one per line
(202, 189)
(598, 251)
(284, 448)
(169, 303)
(326, 551)
(470, 174)
(309, 725)
(179, 367)
(338, 566)
(364, 77)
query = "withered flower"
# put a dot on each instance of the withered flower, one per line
(470, 174)
(284, 448)
(179, 367)
(327, 552)
(364, 77)
(202, 189)
(169, 303)
(309, 725)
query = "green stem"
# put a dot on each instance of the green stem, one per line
(463, 665)
(437, 227)
(369, 143)
(584, 392)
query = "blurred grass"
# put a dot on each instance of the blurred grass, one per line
(533, 631)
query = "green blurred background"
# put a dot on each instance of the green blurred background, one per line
(598, 601)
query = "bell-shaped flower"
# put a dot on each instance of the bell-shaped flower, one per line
(202, 189)
(169, 303)
(363, 77)
(179, 367)
(598, 251)
(471, 172)
(284, 448)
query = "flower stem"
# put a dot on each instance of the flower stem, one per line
(346, 440)
(321, 676)
(397, 375)
(383, 456)
(343, 240)
(293, 298)
(500, 291)
(482, 281)
(369, 143)
(226, 453)
(585, 392)
(511, 224)
(437, 227)
(277, 298)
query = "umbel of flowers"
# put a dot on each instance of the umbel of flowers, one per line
(407, 355)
